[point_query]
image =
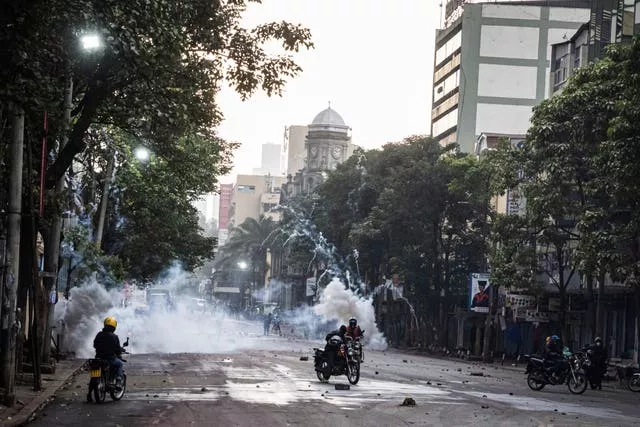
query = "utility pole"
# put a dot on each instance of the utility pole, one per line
(9, 319)
(52, 251)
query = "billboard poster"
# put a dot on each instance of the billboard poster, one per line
(479, 292)
(311, 286)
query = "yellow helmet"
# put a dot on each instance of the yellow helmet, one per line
(111, 321)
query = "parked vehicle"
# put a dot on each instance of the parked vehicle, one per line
(570, 373)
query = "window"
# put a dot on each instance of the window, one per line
(449, 48)
(445, 123)
(246, 188)
(449, 84)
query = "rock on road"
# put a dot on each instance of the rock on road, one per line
(273, 387)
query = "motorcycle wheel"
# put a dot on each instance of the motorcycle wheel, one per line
(634, 383)
(117, 395)
(321, 373)
(100, 390)
(353, 372)
(534, 383)
(577, 383)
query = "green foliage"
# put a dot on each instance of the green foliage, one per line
(156, 74)
(85, 259)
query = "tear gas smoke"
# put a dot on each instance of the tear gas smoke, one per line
(339, 303)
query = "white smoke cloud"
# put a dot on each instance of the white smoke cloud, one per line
(340, 303)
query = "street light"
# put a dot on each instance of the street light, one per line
(242, 265)
(142, 154)
(90, 42)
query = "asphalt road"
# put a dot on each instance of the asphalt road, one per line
(266, 384)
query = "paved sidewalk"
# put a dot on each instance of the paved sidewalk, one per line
(29, 401)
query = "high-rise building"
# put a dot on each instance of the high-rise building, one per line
(491, 65)
(271, 160)
(295, 147)
(224, 212)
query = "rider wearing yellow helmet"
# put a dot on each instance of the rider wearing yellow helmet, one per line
(107, 345)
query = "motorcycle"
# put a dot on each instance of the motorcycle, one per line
(633, 383)
(103, 381)
(570, 373)
(357, 348)
(346, 363)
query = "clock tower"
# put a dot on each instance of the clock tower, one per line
(328, 145)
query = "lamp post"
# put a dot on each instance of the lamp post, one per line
(89, 43)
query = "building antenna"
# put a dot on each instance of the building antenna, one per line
(441, 15)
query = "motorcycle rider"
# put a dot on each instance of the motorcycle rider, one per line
(107, 346)
(334, 339)
(598, 355)
(553, 354)
(353, 330)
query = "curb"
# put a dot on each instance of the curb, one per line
(42, 400)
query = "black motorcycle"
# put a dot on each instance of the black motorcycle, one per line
(102, 380)
(346, 362)
(570, 373)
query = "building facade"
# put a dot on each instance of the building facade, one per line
(253, 196)
(492, 65)
(295, 147)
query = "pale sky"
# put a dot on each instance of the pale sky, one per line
(373, 60)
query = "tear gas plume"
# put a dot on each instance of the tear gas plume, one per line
(340, 303)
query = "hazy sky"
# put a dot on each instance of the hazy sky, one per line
(373, 60)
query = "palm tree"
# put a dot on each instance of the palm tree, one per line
(249, 242)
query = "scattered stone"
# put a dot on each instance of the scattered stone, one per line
(304, 358)
(459, 370)
(476, 374)
(404, 360)
(428, 382)
(510, 394)
(203, 389)
(146, 395)
(408, 401)
(484, 407)
(563, 413)
(155, 395)
(555, 410)
(164, 381)
(342, 387)
(257, 385)
(376, 372)
(79, 386)
(484, 395)
(438, 383)
(20, 402)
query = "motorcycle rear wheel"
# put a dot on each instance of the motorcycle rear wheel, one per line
(100, 390)
(353, 372)
(117, 395)
(577, 385)
(534, 383)
(634, 383)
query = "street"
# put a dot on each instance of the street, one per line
(266, 384)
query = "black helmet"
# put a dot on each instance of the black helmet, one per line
(353, 322)
(343, 329)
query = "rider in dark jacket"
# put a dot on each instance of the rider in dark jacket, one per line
(334, 339)
(553, 353)
(107, 346)
(598, 355)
